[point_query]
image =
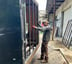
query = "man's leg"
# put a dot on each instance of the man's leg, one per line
(46, 51)
(42, 51)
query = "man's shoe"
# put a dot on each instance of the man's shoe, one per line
(46, 58)
(44, 61)
(40, 58)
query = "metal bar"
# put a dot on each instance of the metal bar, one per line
(37, 25)
(62, 23)
(64, 34)
(36, 22)
(22, 13)
(68, 33)
(29, 30)
(70, 40)
(53, 19)
(25, 29)
(33, 24)
(34, 19)
(70, 36)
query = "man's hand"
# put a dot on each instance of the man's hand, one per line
(34, 26)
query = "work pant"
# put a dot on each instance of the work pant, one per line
(44, 50)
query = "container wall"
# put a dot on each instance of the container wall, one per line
(10, 32)
(17, 37)
(31, 19)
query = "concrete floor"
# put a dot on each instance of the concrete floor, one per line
(57, 53)
(55, 57)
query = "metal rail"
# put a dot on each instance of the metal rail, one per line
(30, 39)
(67, 38)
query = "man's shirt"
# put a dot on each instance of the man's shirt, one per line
(46, 34)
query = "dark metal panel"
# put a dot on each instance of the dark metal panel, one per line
(10, 32)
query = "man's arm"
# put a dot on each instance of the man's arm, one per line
(42, 28)
(38, 28)
(47, 27)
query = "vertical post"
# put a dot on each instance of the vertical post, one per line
(24, 29)
(37, 25)
(62, 23)
(22, 15)
(29, 29)
(33, 23)
(53, 19)
(36, 21)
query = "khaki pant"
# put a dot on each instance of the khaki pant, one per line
(44, 50)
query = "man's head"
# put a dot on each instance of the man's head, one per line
(45, 23)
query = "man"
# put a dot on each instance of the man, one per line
(46, 37)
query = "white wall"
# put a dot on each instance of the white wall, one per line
(58, 23)
(67, 17)
(59, 20)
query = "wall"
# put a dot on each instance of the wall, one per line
(67, 17)
(58, 23)
(66, 7)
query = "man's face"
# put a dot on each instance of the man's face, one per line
(45, 24)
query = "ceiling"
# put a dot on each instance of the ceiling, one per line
(51, 3)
